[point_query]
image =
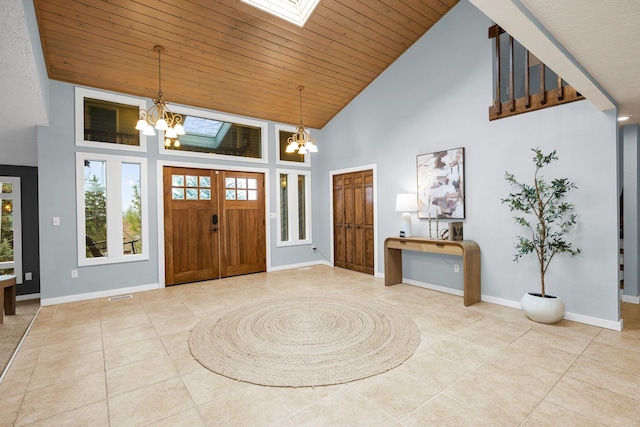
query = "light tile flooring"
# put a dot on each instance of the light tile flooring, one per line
(127, 363)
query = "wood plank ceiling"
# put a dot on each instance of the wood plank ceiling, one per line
(228, 56)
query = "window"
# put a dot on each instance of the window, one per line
(106, 120)
(295, 11)
(283, 132)
(112, 209)
(10, 227)
(215, 134)
(294, 207)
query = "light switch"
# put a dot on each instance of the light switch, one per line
(56, 220)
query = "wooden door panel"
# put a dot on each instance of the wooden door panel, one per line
(353, 221)
(191, 245)
(242, 223)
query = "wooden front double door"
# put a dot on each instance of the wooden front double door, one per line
(353, 221)
(214, 224)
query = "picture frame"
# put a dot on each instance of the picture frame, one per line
(441, 184)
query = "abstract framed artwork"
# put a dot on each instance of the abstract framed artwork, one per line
(441, 184)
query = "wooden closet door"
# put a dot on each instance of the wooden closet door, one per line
(353, 221)
(338, 222)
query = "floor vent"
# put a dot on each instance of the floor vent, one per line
(120, 297)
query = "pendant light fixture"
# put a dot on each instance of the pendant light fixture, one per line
(301, 142)
(159, 116)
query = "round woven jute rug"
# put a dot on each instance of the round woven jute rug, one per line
(305, 340)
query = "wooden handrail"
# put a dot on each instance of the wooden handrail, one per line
(561, 94)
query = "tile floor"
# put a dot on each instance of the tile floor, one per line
(127, 363)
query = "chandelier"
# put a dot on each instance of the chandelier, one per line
(159, 116)
(301, 141)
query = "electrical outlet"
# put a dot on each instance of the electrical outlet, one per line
(456, 268)
(74, 274)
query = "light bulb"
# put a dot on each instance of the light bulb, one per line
(179, 129)
(142, 124)
(161, 124)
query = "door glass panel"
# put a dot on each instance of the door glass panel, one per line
(192, 194)
(230, 195)
(132, 208)
(7, 187)
(205, 194)
(177, 193)
(177, 180)
(252, 183)
(205, 181)
(241, 183)
(95, 202)
(253, 194)
(242, 194)
(230, 182)
(192, 181)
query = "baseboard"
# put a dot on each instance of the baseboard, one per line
(433, 287)
(94, 295)
(594, 321)
(588, 320)
(27, 297)
(630, 299)
(501, 301)
(300, 265)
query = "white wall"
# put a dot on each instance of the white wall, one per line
(435, 97)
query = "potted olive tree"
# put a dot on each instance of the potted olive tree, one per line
(547, 218)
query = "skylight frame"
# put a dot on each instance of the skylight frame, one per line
(296, 12)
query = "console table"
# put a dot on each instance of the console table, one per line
(7, 295)
(468, 250)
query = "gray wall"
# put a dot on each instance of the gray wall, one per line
(631, 159)
(56, 157)
(435, 97)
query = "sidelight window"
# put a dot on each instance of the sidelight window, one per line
(112, 209)
(294, 207)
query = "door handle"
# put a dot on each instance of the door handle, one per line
(214, 219)
(214, 229)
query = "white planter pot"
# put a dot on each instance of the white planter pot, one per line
(549, 309)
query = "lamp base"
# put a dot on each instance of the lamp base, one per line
(406, 225)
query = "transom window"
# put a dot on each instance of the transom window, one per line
(283, 132)
(208, 133)
(107, 120)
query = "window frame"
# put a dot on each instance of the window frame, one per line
(82, 93)
(15, 195)
(212, 115)
(292, 208)
(113, 194)
(292, 129)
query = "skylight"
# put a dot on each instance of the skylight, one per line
(295, 11)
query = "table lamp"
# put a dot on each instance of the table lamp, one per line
(406, 202)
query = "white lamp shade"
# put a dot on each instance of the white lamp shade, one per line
(407, 202)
